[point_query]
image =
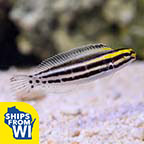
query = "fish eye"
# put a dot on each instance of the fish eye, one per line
(111, 66)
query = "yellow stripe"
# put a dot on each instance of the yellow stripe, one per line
(111, 55)
(105, 48)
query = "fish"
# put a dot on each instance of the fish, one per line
(75, 67)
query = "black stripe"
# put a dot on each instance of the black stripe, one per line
(79, 69)
(80, 60)
(86, 75)
(67, 79)
(44, 82)
(123, 62)
(74, 70)
(114, 59)
(132, 52)
(54, 81)
(89, 66)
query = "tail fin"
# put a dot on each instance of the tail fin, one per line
(25, 88)
(21, 84)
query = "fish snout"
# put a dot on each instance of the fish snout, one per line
(133, 54)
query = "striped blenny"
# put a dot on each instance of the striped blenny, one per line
(79, 65)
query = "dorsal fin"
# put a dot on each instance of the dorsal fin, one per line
(72, 54)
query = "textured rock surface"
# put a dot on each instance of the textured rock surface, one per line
(57, 25)
(108, 111)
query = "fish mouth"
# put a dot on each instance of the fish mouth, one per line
(133, 55)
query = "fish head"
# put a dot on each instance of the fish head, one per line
(129, 54)
(133, 54)
(122, 57)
